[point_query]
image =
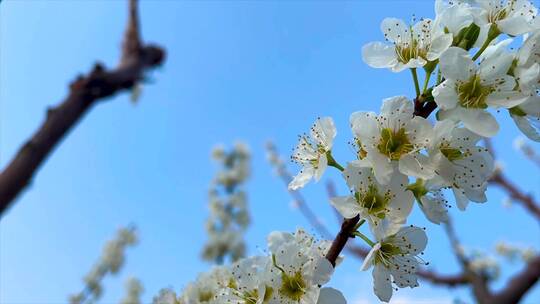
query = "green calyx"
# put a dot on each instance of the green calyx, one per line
(418, 189)
(467, 37)
(472, 94)
(205, 296)
(394, 144)
(517, 111)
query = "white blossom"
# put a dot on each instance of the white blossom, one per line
(461, 163)
(385, 207)
(134, 290)
(394, 139)
(453, 17)
(412, 46)
(469, 89)
(431, 199)
(527, 71)
(229, 215)
(512, 17)
(395, 260)
(111, 261)
(311, 152)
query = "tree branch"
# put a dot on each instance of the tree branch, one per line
(84, 92)
(519, 284)
(516, 194)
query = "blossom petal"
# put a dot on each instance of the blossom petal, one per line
(514, 26)
(461, 200)
(324, 132)
(396, 105)
(395, 30)
(523, 123)
(445, 94)
(330, 295)
(364, 126)
(379, 55)
(384, 169)
(346, 206)
(416, 165)
(320, 271)
(479, 122)
(382, 284)
(302, 178)
(456, 63)
(434, 209)
(321, 167)
(368, 260)
(415, 236)
(438, 46)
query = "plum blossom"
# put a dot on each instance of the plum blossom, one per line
(462, 165)
(526, 116)
(395, 260)
(453, 17)
(393, 139)
(469, 89)
(385, 207)
(512, 17)
(311, 152)
(429, 196)
(412, 46)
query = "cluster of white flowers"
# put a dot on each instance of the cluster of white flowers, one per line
(134, 290)
(292, 273)
(111, 261)
(401, 156)
(515, 252)
(229, 216)
(465, 89)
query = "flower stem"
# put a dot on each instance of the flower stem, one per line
(363, 237)
(492, 34)
(332, 162)
(362, 221)
(426, 82)
(415, 79)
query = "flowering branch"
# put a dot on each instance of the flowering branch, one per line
(111, 261)
(358, 251)
(229, 216)
(84, 92)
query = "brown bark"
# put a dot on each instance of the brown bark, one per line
(84, 92)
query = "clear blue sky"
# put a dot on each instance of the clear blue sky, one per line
(252, 71)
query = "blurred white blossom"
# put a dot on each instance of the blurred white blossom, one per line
(229, 215)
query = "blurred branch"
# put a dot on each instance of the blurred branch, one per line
(519, 284)
(478, 282)
(522, 146)
(84, 92)
(500, 180)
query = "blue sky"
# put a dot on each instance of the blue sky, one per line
(251, 71)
